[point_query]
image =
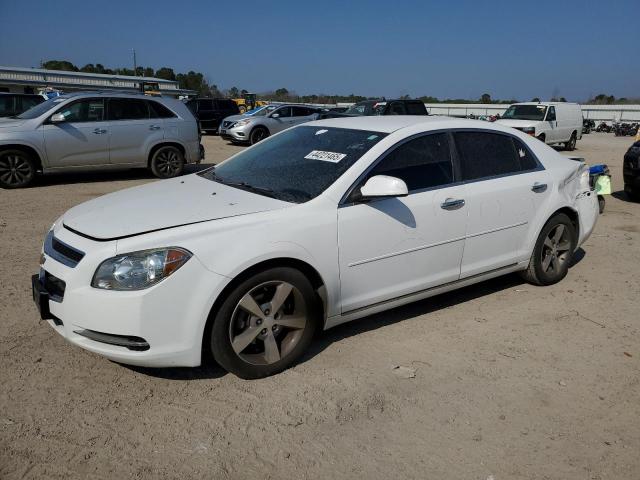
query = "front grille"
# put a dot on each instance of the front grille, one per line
(227, 124)
(54, 286)
(62, 252)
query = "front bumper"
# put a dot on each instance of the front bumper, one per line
(161, 326)
(236, 134)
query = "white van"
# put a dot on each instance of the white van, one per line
(550, 122)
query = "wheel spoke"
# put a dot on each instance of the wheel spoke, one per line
(292, 321)
(548, 243)
(280, 296)
(271, 350)
(558, 234)
(546, 261)
(243, 340)
(249, 305)
(554, 263)
(563, 246)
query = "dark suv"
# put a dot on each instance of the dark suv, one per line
(15, 103)
(380, 107)
(211, 111)
(631, 172)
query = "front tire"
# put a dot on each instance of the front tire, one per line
(266, 323)
(167, 162)
(17, 169)
(553, 252)
(571, 144)
(542, 137)
(257, 135)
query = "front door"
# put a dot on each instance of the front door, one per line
(283, 120)
(82, 139)
(552, 134)
(398, 246)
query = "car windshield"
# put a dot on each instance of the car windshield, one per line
(364, 108)
(296, 165)
(38, 110)
(253, 111)
(264, 111)
(525, 112)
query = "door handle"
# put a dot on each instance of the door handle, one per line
(154, 127)
(99, 131)
(539, 187)
(452, 204)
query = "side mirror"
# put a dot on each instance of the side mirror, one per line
(383, 186)
(275, 115)
(57, 118)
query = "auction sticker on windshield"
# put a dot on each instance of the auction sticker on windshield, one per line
(325, 156)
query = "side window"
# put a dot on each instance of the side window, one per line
(6, 105)
(127, 109)
(527, 161)
(484, 154)
(205, 105)
(157, 110)
(551, 114)
(284, 112)
(414, 108)
(397, 108)
(423, 162)
(87, 110)
(28, 102)
(225, 104)
(300, 111)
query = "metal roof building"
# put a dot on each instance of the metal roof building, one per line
(29, 80)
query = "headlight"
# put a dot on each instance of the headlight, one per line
(138, 270)
(529, 130)
(241, 123)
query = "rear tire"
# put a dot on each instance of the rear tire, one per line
(17, 169)
(571, 144)
(167, 162)
(552, 253)
(251, 341)
(542, 137)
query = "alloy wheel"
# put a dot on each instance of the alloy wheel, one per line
(168, 162)
(14, 169)
(267, 323)
(556, 249)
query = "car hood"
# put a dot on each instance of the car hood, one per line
(11, 122)
(161, 205)
(235, 118)
(517, 123)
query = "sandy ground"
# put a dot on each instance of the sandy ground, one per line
(512, 381)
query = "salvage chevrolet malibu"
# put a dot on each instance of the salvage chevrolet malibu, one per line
(318, 225)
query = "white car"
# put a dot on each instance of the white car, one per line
(318, 225)
(549, 122)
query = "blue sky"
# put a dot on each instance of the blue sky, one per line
(509, 49)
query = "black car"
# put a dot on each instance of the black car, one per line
(588, 125)
(381, 107)
(15, 103)
(631, 172)
(211, 111)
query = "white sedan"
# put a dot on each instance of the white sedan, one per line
(321, 224)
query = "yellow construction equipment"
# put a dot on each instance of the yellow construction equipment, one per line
(249, 102)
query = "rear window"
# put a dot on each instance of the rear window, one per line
(127, 109)
(158, 110)
(484, 154)
(6, 105)
(415, 108)
(205, 104)
(227, 105)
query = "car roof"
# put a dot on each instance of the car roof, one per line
(544, 103)
(106, 93)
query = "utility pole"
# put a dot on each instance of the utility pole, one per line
(135, 64)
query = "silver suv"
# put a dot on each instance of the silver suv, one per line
(98, 130)
(262, 122)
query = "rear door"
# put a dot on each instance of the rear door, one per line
(552, 133)
(133, 131)
(207, 114)
(505, 185)
(82, 139)
(302, 115)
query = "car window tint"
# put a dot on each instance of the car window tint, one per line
(484, 154)
(28, 102)
(158, 110)
(6, 105)
(527, 160)
(300, 112)
(226, 104)
(397, 108)
(423, 162)
(87, 110)
(284, 112)
(551, 116)
(415, 109)
(127, 109)
(205, 105)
